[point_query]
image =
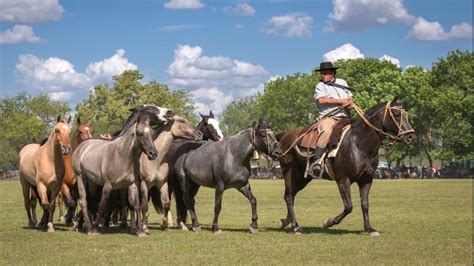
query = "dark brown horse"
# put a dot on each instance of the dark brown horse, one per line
(356, 160)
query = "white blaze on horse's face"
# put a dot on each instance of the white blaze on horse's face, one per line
(215, 124)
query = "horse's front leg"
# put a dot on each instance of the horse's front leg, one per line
(107, 188)
(344, 186)
(247, 192)
(364, 189)
(217, 207)
(144, 205)
(165, 198)
(134, 199)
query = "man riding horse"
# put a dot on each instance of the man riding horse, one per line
(331, 95)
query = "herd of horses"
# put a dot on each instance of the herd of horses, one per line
(158, 153)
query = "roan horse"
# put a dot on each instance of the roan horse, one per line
(114, 164)
(222, 165)
(42, 170)
(209, 127)
(356, 160)
(152, 172)
(69, 186)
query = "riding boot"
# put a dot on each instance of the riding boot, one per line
(315, 168)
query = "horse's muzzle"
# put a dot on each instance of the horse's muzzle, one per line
(65, 149)
(409, 137)
(151, 155)
(276, 152)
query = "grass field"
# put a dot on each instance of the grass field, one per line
(421, 222)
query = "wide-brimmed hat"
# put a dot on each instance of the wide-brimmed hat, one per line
(326, 66)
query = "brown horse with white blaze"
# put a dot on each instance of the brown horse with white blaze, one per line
(42, 169)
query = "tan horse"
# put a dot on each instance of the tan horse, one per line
(84, 131)
(42, 169)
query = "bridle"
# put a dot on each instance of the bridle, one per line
(269, 136)
(388, 110)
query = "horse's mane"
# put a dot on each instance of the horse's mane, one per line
(369, 113)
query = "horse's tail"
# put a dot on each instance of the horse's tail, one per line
(280, 135)
(155, 196)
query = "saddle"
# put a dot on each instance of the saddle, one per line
(311, 134)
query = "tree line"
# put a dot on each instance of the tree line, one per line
(439, 101)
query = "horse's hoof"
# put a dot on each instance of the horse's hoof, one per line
(218, 231)
(298, 231)
(142, 234)
(61, 219)
(50, 228)
(31, 225)
(284, 223)
(164, 224)
(253, 230)
(183, 227)
(196, 228)
(327, 223)
(374, 233)
(146, 230)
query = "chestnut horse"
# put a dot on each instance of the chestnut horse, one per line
(69, 186)
(42, 169)
(356, 160)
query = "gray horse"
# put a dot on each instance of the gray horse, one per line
(114, 164)
(209, 127)
(222, 165)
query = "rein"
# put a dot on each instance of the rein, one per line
(388, 109)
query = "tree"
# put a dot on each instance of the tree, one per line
(25, 119)
(109, 107)
(452, 80)
(239, 114)
(288, 102)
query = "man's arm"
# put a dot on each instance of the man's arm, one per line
(325, 100)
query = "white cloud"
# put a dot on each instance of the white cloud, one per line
(19, 34)
(184, 4)
(242, 9)
(58, 77)
(424, 30)
(291, 25)
(350, 15)
(392, 60)
(346, 51)
(213, 81)
(53, 75)
(114, 65)
(30, 11)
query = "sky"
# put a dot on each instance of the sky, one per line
(218, 50)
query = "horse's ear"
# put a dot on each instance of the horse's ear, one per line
(69, 119)
(396, 99)
(254, 124)
(58, 119)
(202, 116)
(89, 122)
(211, 114)
(78, 120)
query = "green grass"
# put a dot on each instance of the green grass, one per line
(421, 222)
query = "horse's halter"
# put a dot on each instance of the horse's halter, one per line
(389, 109)
(269, 135)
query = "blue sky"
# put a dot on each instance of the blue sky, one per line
(219, 50)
